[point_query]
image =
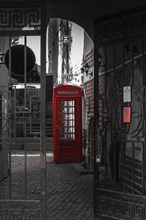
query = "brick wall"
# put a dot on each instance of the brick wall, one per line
(89, 58)
(89, 96)
(89, 93)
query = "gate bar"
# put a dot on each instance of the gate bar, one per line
(105, 118)
(43, 114)
(143, 126)
(113, 141)
(9, 84)
(25, 69)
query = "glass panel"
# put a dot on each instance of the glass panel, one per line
(67, 119)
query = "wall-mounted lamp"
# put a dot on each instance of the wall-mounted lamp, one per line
(85, 69)
(70, 77)
(2, 58)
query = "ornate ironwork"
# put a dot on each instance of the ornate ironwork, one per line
(120, 205)
(27, 18)
(6, 112)
(16, 117)
(20, 209)
(136, 115)
(120, 182)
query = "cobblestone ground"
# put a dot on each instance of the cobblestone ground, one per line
(69, 193)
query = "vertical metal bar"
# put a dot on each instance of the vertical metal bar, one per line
(10, 174)
(43, 114)
(25, 68)
(125, 133)
(144, 122)
(24, 124)
(9, 83)
(123, 62)
(14, 123)
(25, 128)
(133, 148)
(25, 163)
(96, 112)
(133, 168)
(113, 124)
(105, 118)
(124, 160)
(143, 169)
(30, 120)
(132, 63)
(10, 167)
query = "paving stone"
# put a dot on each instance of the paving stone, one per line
(69, 193)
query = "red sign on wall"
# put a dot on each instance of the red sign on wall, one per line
(127, 114)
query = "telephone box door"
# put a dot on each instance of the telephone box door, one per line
(67, 128)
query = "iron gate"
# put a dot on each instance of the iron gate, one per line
(23, 192)
(120, 57)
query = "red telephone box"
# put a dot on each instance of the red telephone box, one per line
(67, 123)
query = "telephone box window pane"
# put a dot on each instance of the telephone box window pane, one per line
(67, 119)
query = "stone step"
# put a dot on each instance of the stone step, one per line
(32, 144)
